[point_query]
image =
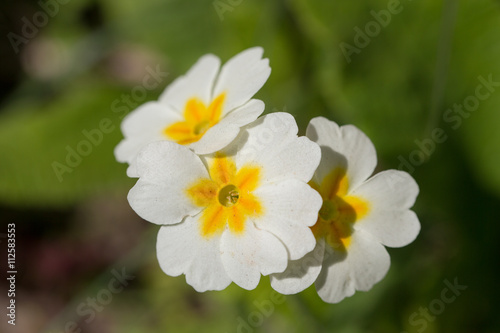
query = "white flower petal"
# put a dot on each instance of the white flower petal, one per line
(198, 82)
(334, 282)
(291, 207)
(391, 228)
(346, 147)
(389, 190)
(182, 250)
(147, 118)
(300, 273)
(271, 141)
(245, 256)
(368, 259)
(221, 134)
(165, 170)
(216, 138)
(132, 170)
(241, 77)
(244, 114)
(140, 127)
(390, 194)
(365, 264)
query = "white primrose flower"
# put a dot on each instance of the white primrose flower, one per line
(233, 215)
(202, 110)
(358, 217)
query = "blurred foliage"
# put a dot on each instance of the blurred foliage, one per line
(397, 90)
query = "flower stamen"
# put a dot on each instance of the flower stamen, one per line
(229, 195)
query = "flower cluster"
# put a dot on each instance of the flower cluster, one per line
(238, 196)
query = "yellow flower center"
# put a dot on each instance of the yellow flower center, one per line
(339, 211)
(227, 196)
(198, 118)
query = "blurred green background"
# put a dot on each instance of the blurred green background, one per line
(72, 69)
